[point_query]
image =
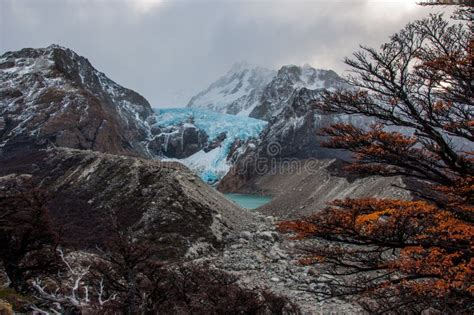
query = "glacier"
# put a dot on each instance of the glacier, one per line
(211, 166)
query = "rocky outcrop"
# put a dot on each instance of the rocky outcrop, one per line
(278, 93)
(179, 141)
(216, 142)
(161, 201)
(54, 96)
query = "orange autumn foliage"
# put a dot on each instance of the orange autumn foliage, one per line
(434, 246)
(404, 256)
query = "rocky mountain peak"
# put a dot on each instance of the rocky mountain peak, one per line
(292, 70)
(53, 95)
(259, 92)
(278, 93)
(308, 77)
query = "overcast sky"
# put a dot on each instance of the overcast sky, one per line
(170, 50)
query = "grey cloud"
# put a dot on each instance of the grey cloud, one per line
(173, 49)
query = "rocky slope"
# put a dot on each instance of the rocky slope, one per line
(52, 95)
(265, 259)
(162, 201)
(292, 135)
(302, 187)
(237, 92)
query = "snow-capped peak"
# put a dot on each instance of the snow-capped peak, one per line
(50, 91)
(56, 46)
(289, 79)
(248, 90)
(237, 92)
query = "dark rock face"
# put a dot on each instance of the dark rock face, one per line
(296, 130)
(178, 141)
(289, 79)
(54, 96)
(291, 135)
(216, 142)
(161, 201)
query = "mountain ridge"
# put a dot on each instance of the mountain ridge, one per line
(54, 96)
(264, 92)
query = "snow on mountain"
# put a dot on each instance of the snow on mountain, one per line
(261, 93)
(53, 95)
(282, 98)
(223, 130)
(278, 92)
(237, 92)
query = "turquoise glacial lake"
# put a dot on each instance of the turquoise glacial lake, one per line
(249, 201)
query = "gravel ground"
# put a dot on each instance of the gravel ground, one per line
(264, 258)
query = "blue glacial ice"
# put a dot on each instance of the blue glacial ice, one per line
(213, 165)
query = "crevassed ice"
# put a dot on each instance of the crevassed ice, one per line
(212, 165)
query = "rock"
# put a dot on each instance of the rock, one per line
(216, 142)
(430, 311)
(236, 246)
(6, 308)
(275, 279)
(270, 218)
(242, 240)
(269, 236)
(182, 141)
(246, 235)
(154, 145)
(234, 150)
(155, 130)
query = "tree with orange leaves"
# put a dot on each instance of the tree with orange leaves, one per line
(393, 255)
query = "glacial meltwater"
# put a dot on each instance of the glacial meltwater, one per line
(249, 201)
